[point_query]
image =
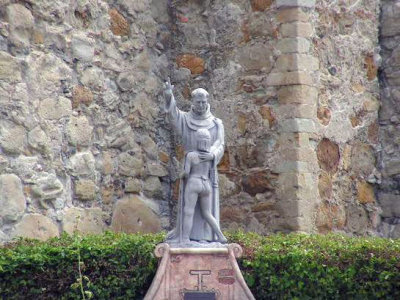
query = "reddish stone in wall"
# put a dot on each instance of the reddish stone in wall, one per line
(246, 31)
(328, 155)
(119, 25)
(330, 216)
(232, 214)
(180, 152)
(192, 62)
(163, 156)
(365, 192)
(373, 131)
(325, 186)
(324, 115)
(371, 67)
(81, 94)
(175, 190)
(242, 123)
(267, 113)
(224, 164)
(258, 181)
(261, 5)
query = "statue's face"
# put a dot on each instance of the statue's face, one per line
(200, 104)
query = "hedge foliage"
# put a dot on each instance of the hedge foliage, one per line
(121, 266)
(113, 266)
(298, 266)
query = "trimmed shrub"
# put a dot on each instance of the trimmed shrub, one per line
(112, 266)
(122, 266)
(298, 266)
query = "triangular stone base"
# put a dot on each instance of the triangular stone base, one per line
(198, 273)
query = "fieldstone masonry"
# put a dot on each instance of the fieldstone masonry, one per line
(389, 120)
(296, 82)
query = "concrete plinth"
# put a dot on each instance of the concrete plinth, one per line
(198, 273)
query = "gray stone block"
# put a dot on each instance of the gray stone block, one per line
(293, 166)
(293, 45)
(390, 205)
(298, 125)
(291, 3)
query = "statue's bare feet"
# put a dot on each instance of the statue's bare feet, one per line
(186, 241)
(222, 239)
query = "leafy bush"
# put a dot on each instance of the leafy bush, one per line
(113, 266)
(122, 266)
(298, 266)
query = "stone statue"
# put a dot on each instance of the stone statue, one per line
(203, 141)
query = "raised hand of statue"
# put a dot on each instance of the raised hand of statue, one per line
(168, 87)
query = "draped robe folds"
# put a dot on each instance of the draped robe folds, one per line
(185, 125)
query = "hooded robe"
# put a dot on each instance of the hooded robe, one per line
(185, 125)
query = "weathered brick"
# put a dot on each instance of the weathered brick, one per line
(299, 224)
(296, 29)
(291, 3)
(297, 94)
(297, 62)
(295, 179)
(295, 207)
(291, 15)
(289, 111)
(298, 125)
(293, 166)
(300, 154)
(291, 140)
(293, 45)
(289, 78)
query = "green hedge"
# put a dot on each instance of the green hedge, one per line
(298, 266)
(113, 266)
(121, 266)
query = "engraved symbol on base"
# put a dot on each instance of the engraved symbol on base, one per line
(200, 273)
(200, 290)
(226, 276)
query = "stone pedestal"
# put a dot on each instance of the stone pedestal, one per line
(198, 273)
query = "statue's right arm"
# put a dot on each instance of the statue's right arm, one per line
(173, 113)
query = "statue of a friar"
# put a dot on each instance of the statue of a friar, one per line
(203, 141)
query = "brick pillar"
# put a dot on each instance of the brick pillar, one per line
(295, 74)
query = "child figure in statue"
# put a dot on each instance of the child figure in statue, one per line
(198, 187)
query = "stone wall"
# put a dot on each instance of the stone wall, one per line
(389, 119)
(346, 43)
(82, 147)
(85, 145)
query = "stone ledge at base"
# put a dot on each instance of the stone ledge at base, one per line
(189, 273)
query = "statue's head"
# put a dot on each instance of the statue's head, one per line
(200, 101)
(203, 138)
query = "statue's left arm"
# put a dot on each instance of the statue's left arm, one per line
(217, 149)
